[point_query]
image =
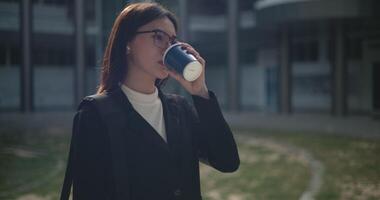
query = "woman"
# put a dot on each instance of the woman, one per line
(133, 142)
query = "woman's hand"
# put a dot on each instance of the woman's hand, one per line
(197, 87)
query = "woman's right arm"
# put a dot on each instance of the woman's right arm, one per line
(92, 177)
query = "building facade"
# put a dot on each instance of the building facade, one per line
(281, 56)
(328, 53)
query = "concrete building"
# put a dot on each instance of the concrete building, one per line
(328, 53)
(281, 56)
(51, 51)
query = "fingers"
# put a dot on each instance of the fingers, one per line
(192, 51)
(177, 76)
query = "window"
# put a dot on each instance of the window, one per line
(3, 52)
(305, 51)
(354, 49)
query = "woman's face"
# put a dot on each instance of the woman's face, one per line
(147, 49)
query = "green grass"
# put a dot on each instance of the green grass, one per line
(29, 164)
(263, 174)
(352, 165)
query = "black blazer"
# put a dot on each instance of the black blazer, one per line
(156, 169)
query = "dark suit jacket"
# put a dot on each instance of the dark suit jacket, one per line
(156, 170)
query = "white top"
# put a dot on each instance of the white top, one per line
(149, 106)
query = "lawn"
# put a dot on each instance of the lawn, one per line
(266, 172)
(352, 164)
(352, 169)
(32, 167)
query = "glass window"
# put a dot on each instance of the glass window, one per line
(305, 51)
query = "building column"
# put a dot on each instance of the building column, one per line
(233, 72)
(184, 17)
(323, 43)
(339, 72)
(79, 86)
(26, 19)
(99, 35)
(183, 13)
(8, 56)
(285, 71)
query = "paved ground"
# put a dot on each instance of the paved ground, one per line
(363, 126)
(51, 122)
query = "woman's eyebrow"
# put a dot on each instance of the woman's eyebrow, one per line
(175, 36)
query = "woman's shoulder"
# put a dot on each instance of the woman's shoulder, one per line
(87, 108)
(89, 102)
(89, 117)
(101, 106)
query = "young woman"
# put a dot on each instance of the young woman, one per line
(133, 142)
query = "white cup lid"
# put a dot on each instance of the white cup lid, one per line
(192, 71)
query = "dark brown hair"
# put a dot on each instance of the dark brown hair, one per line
(132, 17)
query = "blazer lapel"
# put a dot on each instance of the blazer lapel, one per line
(172, 125)
(137, 124)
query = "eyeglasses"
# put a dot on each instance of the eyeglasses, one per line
(160, 38)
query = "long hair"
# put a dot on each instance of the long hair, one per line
(130, 19)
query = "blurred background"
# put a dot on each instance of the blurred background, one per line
(298, 81)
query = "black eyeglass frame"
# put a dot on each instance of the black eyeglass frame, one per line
(172, 39)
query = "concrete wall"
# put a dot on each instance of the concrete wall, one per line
(254, 85)
(53, 87)
(253, 88)
(9, 88)
(216, 79)
(311, 87)
(358, 99)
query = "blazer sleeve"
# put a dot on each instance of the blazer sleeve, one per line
(213, 138)
(92, 177)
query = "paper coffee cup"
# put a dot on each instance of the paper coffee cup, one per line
(183, 63)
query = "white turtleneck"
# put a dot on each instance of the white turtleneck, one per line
(149, 106)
